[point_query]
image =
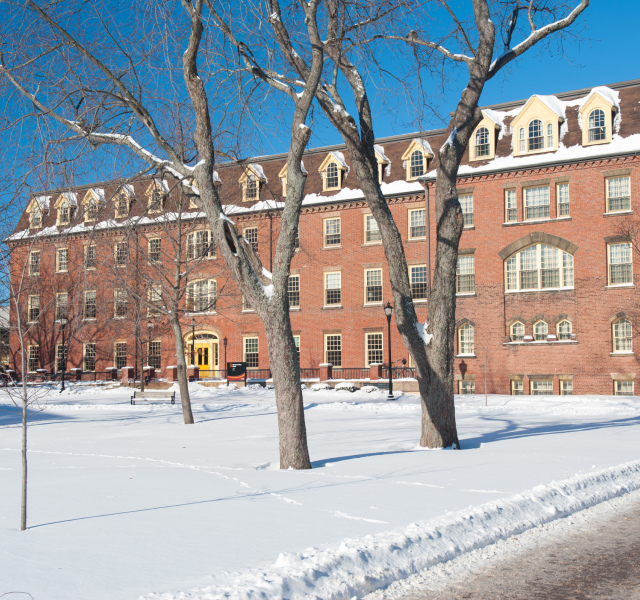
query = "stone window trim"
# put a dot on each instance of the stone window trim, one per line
(538, 237)
(623, 376)
(617, 172)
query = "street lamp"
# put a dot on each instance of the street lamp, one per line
(63, 324)
(388, 311)
(193, 341)
(226, 371)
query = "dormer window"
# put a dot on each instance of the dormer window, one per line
(416, 158)
(64, 214)
(156, 194)
(64, 205)
(482, 142)
(536, 126)
(597, 131)
(122, 205)
(91, 213)
(91, 201)
(250, 181)
(332, 170)
(35, 218)
(535, 137)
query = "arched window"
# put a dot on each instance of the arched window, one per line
(521, 140)
(482, 142)
(549, 135)
(540, 331)
(622, 336)
(64, 214)
(517, 332)
(539, 267)
(466, 344)
(597, 129)
(536, 135)
(333, 176)
(36, 216)
(252, 187)
(417, 163)
(564, 329)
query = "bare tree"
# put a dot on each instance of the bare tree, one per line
(94, 96)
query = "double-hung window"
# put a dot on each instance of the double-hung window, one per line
(62, 260)
(34, 308)
(418, 275)
(34, 262)
(251, 354)
(251, 235)
(201, 295)
(89, 358)
(155, 250)
(90, 258)
(332, 232)
(371, 232)
(510, 206)
(154, 355)
(622, 336)
(120, 355)
(120, 304)
(620, 263)
(374, 348)
(618, 194)
(466, 203)
(62, 305)
(293, 291)
(200, 245)
(417, 224)
(536, 203)
(90, 304)
(333, 349)
(333, 288)
(121, 253)
(466, 345)
(562, 194)
(33, 358)
(465, 274)
(373, 286)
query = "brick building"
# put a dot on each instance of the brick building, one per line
(546, 276)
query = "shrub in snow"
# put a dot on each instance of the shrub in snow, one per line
(270, 386)
(253, 386)
(231, 386)
(346, 386)
(318, 387)
(369, 389)
(303, 386)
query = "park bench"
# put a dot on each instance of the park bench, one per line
(158, 395)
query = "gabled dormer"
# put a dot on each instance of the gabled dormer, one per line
(333, 171)
(123, 200)
(36, 209)
(597, 115)
(416, 158)
(92, 201)
(251, 180)
(283, 176)
(156, 194)
(384, 164)
(536, 128)
(66, 203)
(483, 141)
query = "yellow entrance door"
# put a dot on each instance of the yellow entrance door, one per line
(203, 358)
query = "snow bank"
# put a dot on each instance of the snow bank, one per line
(360, 566)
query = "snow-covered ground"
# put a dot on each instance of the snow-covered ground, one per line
(126, 501)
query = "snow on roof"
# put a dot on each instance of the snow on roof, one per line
(98, 193)
(302, 168)
(43, 201)
(340, 158)
(380, 151)
(216, 177)
(259, 171)
(495, 116)
(424, 145)
(556, 105)
(611, 96)
(127, 188)
(71, 198)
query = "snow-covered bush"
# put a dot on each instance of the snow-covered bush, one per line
(270, 386)
(346, 386)
(254, 386)
(231, 386)
(369, 389)
(303, 386)
(319, 387)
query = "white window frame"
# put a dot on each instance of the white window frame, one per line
(622, 340)
(32, 260)
(566, 387)
(534, 195)
(87, 293)
(33, 305)
(371, 230)
(337, 232)
(540, 331)
(466, 386)
(36, 216)
(565, 271)
(33, 358)
(295, 280)
(332, 336)
(511, 206)
(120, 301)
(623, 183)
(596, 134)
(374, 347)
(466, 204)
(466, 268)
(517, 387)
(325, 278)
(246, 354)
(200, 245)
(251, 235)
(513, 335)
(64, 207)
(626, 251)
(62, 266)
(118, 345)
(564, 336)
(84, 357)
(154, 297)
(152, 252)
(338, 176)
(370, 275)
(466, 340)
(483, 144)
(617, 385)
(120, 259)
(418, 277)
(122, 199)
(86, 258)
(194, 301)
(411, 167)
(411, 214)
(60, 313)
(541, 385)
(563, 202)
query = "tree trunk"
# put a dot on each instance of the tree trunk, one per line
(23, 501)
(182, 370)
(285, 369)
(141, 367)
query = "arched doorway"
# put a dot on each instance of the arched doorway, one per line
(205, 347)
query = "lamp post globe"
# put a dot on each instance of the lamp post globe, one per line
(388, 311)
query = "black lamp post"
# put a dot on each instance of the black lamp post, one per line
(388, 310)
(193, 341)
(63, 324)
(226, 371)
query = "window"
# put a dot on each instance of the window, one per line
(296, 240)
(156, 201)
(64, 214)
(34, 262)
(623, 388)
(540, 331)
(564, 330)
(482, 142)
(620, 268)
(200, 244)
(34, 308)
(333, 349)
(252, 188)
(35, 217)
(562, 194)
(542, 387)
(332, 232)
(373, 286)
(293, 291)
(417, 164)
(465, 275)
(89, 358)
(622, 336)
(517, 387)
(539, 267)
(33, 359)
(597, 131)
(618, 194)
(61, 358)
(62, 260)
(517, 332)
(332, 176)
(332, 288)
(466, 345)
(566, 387)
(549, 135)
(466, 203)
(119, 304)
(521, 143)
(90, 257)
(121, 253)
(122, 205)
(154, 355)
(251, 356)
(120, 355)
(371, 231)
(418, 282)
(90, 304)
(296, 341)
(466, 386)
(246, 305)
(536, 135)
(417, 224)
(155, 250)
(374, 348)
(62, 306)
(536, 203)
(154, 296)
(251, 235)
(92, 210)
(201, 295)
(510, 206)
